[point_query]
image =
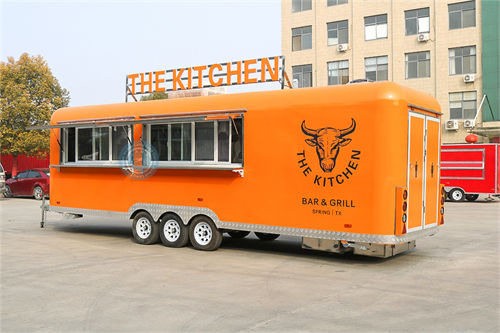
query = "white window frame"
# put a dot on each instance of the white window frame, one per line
(301, 6)
(302, 35)
(330, 3)
(109, 161)
(381, 29)
(377, 59)
(338, 69)
(419, 21)
(454, 57)
(420, 62)
(462, 101)
(301, 75)
(193, 163)
(461, 11)
(338, 32)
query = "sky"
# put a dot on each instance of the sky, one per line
(92, 45)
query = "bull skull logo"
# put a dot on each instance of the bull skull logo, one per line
(328, 141)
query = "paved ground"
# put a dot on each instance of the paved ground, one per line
(89, 275)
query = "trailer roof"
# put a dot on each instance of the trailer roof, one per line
(253, 101)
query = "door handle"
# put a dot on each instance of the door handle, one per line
(432, 169)
(416, 169)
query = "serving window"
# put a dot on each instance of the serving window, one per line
(197, 143)
(101, 145)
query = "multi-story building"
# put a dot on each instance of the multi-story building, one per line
(447, 48)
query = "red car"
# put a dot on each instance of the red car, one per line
(34, 182)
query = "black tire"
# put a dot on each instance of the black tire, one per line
(238, 233)
(173, 232)
(145, 230)
(456, 195)
(263, 236)
(471, 197)
(204, 235)
(38, 193)
(8, 192)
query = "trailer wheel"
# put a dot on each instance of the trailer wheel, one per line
(266, 237)
(145, 229)
(173, 233)
(471, 197)
(238, 233)
(204, 235)
(456, 194)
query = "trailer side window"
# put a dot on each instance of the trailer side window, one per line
(159, 140)
(204, 141)
(223, 140)
(237, 142)
(180, 142)
(102, 144)
(121, 139)
(84, 138)
(67, 145)
(213, 142)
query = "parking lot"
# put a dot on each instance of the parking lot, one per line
(89, 275)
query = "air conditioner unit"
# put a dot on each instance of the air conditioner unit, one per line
(342, 47)
(451, 125)
(423, 37)
(469, 78)
(469, 123)
(295, 83)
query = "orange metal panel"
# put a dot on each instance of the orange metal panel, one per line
(285, 183)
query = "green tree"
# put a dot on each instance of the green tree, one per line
(29, 94)
(154, 95)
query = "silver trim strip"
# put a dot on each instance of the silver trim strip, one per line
(187, 213)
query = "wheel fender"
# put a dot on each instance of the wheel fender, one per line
(185, 213)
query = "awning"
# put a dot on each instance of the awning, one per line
(146, 119)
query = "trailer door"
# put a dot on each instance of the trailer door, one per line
(431, 156)
(415, 170)
(423, 171)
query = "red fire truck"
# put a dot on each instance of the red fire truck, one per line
(468, 170)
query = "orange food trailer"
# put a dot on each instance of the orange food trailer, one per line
(351, 168)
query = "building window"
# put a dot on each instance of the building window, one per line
(300, 5)
(417, 21)
(376, 68)
(303, 75)
(338, 72)
(97, 144)
(338, 32)
(336, 2)
(418, 64)
(463, 105)
(463, 60)
(302, 38)
(376, 27)
(192, 143)
(462, 15)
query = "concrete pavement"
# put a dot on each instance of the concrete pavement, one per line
(89, 275)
